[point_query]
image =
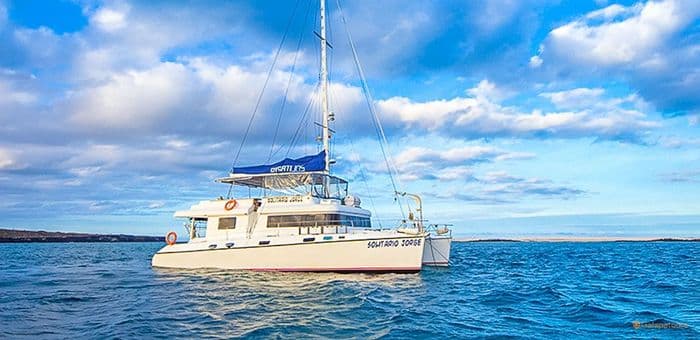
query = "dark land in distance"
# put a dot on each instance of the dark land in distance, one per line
(15, 236)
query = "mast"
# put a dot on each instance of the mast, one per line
(324, 89)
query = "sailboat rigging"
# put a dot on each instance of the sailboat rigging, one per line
(306, 219)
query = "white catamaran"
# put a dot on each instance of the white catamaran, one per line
(314, 225)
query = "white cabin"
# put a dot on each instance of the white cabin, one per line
(314, 212)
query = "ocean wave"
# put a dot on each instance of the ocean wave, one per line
(524, 290)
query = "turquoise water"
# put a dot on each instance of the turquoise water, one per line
(528, 290)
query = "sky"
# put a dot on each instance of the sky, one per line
(508, 117)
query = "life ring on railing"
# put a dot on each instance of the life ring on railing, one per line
(171, 238)
(230, 204)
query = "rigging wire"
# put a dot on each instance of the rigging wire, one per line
(370, 103)
(363, 176)
(289, 83)
(267, 79)
(301, 123)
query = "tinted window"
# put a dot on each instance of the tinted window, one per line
(317, 220)
(227, 223)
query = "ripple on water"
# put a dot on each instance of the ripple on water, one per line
(530, 290)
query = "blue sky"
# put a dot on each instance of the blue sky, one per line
(509, 117)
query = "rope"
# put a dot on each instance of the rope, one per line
(301, 123)
(286, 91)
(364, 180)
(375, 118)
(267, 79)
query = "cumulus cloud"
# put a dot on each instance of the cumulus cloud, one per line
(607, 40)
(575, 98)
(110, 19)
(641, 44)
(88, 177)
(482, 115)
(149, 101)
(134, 99)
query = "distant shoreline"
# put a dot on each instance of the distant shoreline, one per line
(579, 239)
(40, 236)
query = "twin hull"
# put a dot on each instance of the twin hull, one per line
(437, 251)
(387, 254)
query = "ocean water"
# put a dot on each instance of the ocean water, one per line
(522, 290)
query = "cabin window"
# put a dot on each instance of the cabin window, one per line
(317, 220)
(227, 223)
(198, 227)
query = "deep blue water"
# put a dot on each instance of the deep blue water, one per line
(532, 290)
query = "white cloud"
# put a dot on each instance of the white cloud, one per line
(602, 37)
(575, 98)
(482, 115)
(176, 143)
(156, 205)
(487, 90)
(134, 99)
(448, 164)
(110, 19)
(613, 11)
(235, 89)
(6, 160)
(430, 115)
(494, 14)
(388, 34)
(88, 171)
(535, 61)
(10, 96)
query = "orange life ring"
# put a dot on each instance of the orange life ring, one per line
(171, 238)
(230, 204)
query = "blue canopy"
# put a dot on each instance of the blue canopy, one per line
(287, 165)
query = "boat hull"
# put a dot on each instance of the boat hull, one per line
(385, 254)
(437, 251)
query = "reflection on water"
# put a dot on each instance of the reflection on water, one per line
(538, 290)
(278, 301)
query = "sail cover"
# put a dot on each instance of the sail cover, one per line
(304, 164)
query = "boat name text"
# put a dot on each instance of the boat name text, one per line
(414, 242)
(288, 168)
(285, 199)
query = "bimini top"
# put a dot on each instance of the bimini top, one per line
(285, 174)
(311, 163)
(279, 181)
